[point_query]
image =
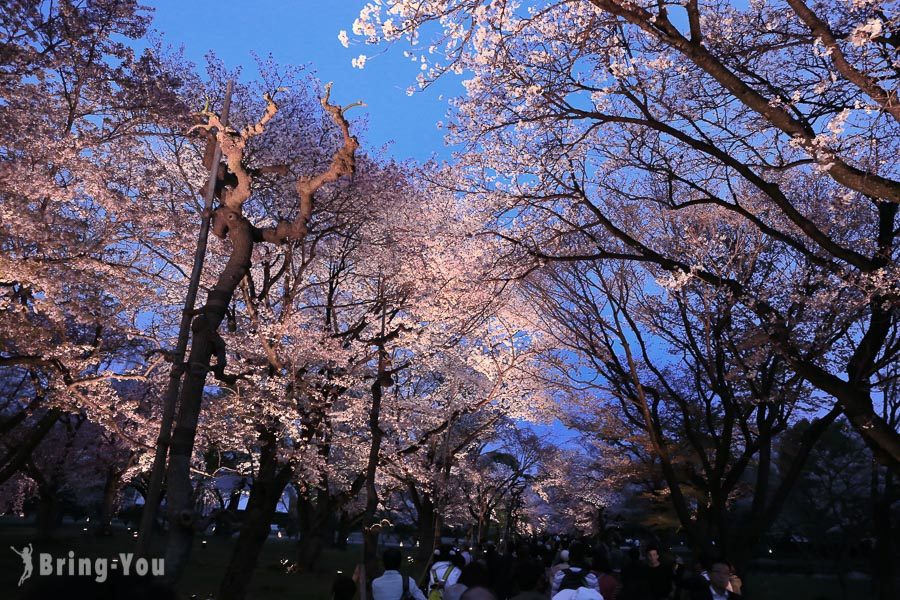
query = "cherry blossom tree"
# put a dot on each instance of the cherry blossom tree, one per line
(682, 386)
(79, 216)
(593, 127)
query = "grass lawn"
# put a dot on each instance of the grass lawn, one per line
(270, 582)
(203, 573)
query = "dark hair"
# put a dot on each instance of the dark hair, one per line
(477, 593)
(343, 588)
(474, 574)
(457, 559)
(601, 562)
(576, 555)
(706, 560)
(652, 547)
(528, 574)
(718, 560)
(392, 558)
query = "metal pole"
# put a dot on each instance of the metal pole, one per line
(151, 502)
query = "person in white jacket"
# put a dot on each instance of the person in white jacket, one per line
(443, 573)
(581, 593)
(577, 568)
(390, 585)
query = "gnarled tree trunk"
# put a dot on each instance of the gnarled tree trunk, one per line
(267, 489)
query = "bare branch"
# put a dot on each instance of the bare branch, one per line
(343, 164)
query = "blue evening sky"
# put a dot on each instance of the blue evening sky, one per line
(305, 32)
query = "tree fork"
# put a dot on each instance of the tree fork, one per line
(228, 221)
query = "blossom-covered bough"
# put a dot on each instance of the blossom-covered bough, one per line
(78, 212)
(602, 129)
(229, 222)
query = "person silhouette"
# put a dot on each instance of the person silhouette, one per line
(25, 554)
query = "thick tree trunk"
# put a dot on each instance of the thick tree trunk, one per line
(108, 505)
(267, 489)
(345, 524)
(426, 522)
(880, 437)
(225, 521)
(15, 459)
(884, 557)
(309, 549)
(153, 496)
(49, 510)
(206, 343)
(313, 519)
(371, 533)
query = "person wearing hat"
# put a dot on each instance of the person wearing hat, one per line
(561, 565)
(443, 572)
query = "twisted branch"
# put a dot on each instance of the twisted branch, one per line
(233, 143)
(343, 163)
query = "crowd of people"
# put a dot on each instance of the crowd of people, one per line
(554, 569)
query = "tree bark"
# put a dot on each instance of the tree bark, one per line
(426, 526)
(884, 556)
(108, 506)
(371, 533)
(16, 459)
(155, 486)
(267, 489)
(205, 344)
(313, 517)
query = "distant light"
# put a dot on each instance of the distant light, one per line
(85, 529)
(135, 535)
(88, 520)
(279, 534)
(770, 551)
(401, 543)
(340, 572)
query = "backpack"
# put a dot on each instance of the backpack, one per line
(573, 580)
(437, 588)
(405, 595)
